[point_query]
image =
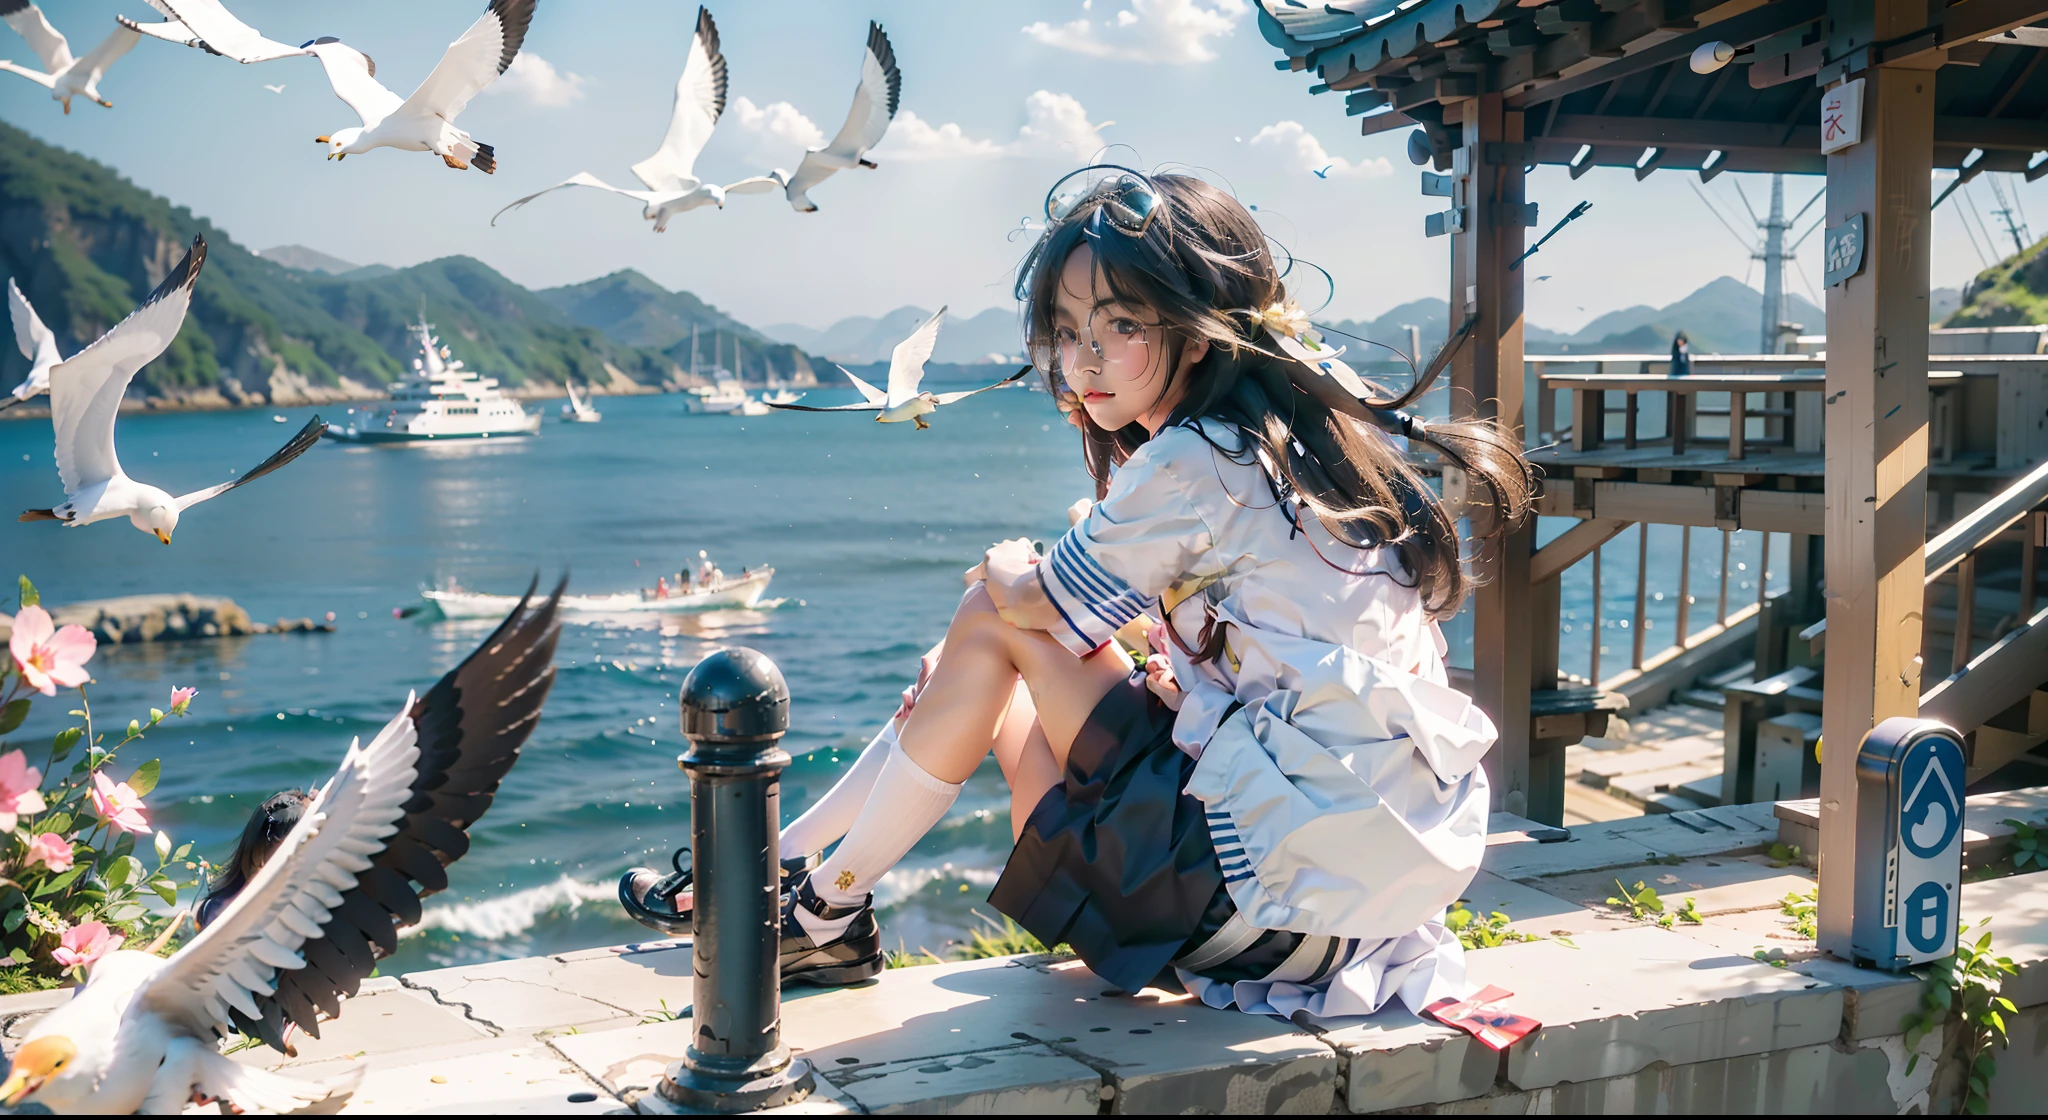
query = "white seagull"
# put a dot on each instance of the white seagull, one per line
(670, 173)
(274, 89)
(904, 400)
(38, 344)
(85, 398)
(209, 26)
(64, 76)
(425, 122)
(309, 927)
(874, 106)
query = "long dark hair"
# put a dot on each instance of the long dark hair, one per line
(267, 828)
(1197, 267)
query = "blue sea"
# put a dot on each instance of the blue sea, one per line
(868, 526)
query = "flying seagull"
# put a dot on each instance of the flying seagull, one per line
(274, 89)
(670, 173)
(904, 400)
(1324, 171)
(874, 106)
(308, 927)
(85, 397)
(38, 344)
(425, 122)
(64, 76)
(209, 26)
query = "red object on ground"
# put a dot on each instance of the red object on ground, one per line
(1477, 1016)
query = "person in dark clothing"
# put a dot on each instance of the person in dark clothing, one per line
(1681, 355)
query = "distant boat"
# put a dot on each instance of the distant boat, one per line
(579, 409)
(781, 396)
(753, 407)
(280, 419)
(440, 401)
(740, 593)
(723, 395)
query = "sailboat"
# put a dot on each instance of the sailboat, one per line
(579, 410)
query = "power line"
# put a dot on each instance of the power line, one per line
(1817, 196)
(1725, 224)
(1989, 244)
(2018, 231)
(1744, 196)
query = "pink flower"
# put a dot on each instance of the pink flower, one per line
(50, 657)
(181, 698)
(118, 804)
(85, 943)
(52, 850)
(20, 789)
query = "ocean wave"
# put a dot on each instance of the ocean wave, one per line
(903, 883)
(494, 919)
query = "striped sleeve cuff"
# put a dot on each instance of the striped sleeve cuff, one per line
(1092, 602)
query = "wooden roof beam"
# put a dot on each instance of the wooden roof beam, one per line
(1741, 30)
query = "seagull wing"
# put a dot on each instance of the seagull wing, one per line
(222, 33)
(86, 391)
(585, 179)
(473, 61)
(906, 362)
(700, 100)
(118, 42)
(28, 21)
(37, 76)
(170, 31)
(871, 394)
(758, 184)
(949, 398)
(379, 838)
(824, 407)
(38, 343)
(874, 100)
(353, 75)
(299, 444)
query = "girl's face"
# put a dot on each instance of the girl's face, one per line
(1114, 357)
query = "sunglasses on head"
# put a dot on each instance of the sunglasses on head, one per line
(1123, 199)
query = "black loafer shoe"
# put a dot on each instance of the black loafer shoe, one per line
(853, 956)
(663, 902)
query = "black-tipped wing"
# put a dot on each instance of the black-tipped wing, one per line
(471, 726)
(473, 61)
(825, 407)
(307, 437)
(949, 398)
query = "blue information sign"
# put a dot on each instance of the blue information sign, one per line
(1909, 842)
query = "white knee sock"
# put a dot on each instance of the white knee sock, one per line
(906, 802)
(834, 813)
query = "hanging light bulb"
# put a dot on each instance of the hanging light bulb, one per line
(1709, 57)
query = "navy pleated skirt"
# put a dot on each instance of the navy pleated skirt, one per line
(1115, 860)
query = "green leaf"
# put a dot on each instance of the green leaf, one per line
(166, 890)
(125, 870)
(13, 920)
(52, 886)
(65, 740)
(183, 850)
(59, 823)
(134, 729)
(12, 715)
(145, 777)
(29, 595)
(1911, 1062)
(2005, 1004)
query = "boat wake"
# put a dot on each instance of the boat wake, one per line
(495, 919)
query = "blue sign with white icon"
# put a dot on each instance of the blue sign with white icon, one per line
(1910, 776)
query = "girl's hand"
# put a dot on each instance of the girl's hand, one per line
(1159, 678)
(926, 665)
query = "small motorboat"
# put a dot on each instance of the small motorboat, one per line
(781, 396)
(729, 593)
(579, 410)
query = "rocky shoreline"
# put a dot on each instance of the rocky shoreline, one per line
(133, 619)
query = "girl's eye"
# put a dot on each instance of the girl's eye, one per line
(1126, 328)
(1065, 336)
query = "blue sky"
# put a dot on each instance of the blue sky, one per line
(998, 100)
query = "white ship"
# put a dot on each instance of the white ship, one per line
(579, 410)
(741, 592)
(440, 401)
(723, 396)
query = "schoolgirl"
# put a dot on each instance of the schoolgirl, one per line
(1281, 803)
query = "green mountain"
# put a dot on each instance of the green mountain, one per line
(1723, 317)
(2011, 293)
(631, 310)
(86, 246)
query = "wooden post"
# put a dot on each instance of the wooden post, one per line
(1876, 422)
(1486, 381)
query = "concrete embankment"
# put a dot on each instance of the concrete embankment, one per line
(131, 619)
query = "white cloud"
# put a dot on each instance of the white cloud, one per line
(913, 138)
(1148, 30)
(1055, 124)
(536, 79)
(780, 121)
(1300, 147)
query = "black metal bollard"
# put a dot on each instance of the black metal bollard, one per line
(735, 710)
